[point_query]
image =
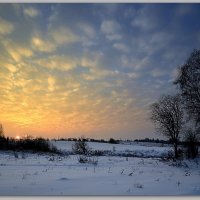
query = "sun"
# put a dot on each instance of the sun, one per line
(17, 137)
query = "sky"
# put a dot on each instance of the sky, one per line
(68, 70)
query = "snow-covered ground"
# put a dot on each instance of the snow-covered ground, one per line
(34, 174)
(138, 149)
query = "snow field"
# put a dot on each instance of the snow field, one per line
(34, 174)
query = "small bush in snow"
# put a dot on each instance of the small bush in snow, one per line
(170, 155)
(51, 158)
(93, 160)
(113, 141)
(87, 159)
(81, 147)
(86, 154)
(82, 159)
(97, 153)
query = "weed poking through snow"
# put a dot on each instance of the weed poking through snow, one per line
(138, 185)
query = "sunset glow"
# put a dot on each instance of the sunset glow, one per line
(17, 137)
(68, 70)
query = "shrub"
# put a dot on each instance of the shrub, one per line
(113, 141)
(37, 145)
(81, 147)
(27, 144)
(97, 153)
(82, 159)
(86, 155)
(3, 142)
(168, 156)
(88, 159)
(93, 160)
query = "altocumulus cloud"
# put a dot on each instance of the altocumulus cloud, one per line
(93, 69)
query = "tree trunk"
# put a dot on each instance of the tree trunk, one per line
(175, 150)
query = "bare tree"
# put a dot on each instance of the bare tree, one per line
(188, 81)
(167, 115)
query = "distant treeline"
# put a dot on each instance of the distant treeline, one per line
(161, 141)
(115, 141)
(111, 140)
(153, 141)
(27, 144)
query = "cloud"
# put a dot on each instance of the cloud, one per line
(63, 35)
(145, 18)
(86, 42)
(110, 28)
(10, 95)
(125, 61)
(43, 45)
(114, 37)
(5, 81)
(87, 34)
(143, 23)
(96, 73)
(31, 12)
(87, 29)
(6, 27)
(12, 68)
(51, 83)
(91, 60)
(184, 9)
(62, 63)
(8, 65)
(133, 75)
(17, 51)
(130, 12)
(121, 47)
(134, 62)
(64, 68)
(87, 62)
(174, 75)
(157, 72)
